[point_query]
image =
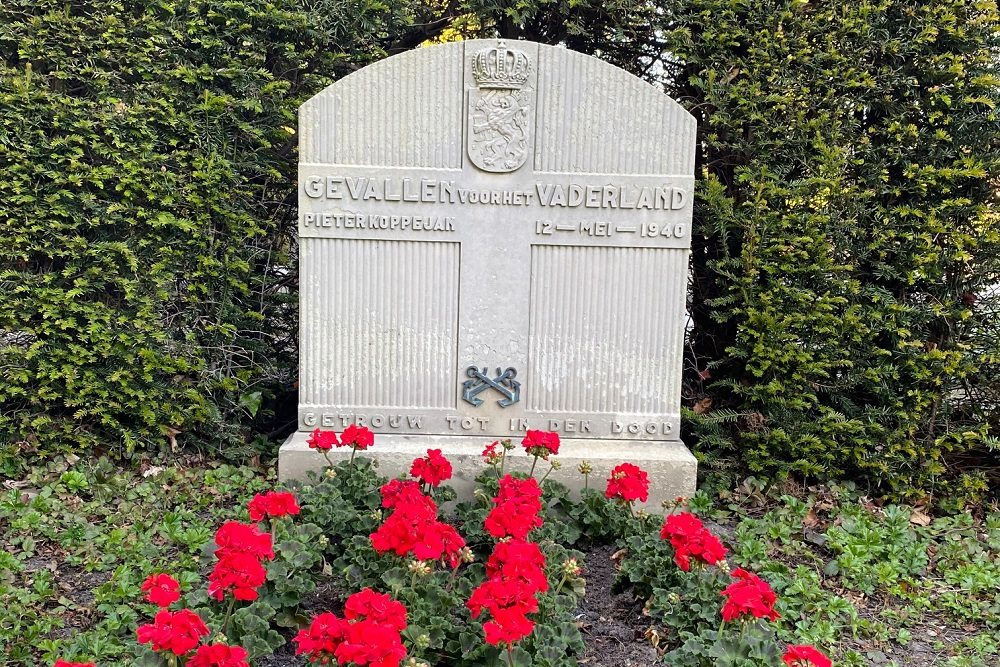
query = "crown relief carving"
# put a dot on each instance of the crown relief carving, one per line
(501, 67)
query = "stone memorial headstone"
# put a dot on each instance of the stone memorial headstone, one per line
(494, 237)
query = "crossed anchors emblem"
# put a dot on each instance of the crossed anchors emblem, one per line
(479, 382)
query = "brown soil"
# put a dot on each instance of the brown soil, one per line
(613, 623)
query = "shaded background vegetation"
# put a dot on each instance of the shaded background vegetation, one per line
(844, 256)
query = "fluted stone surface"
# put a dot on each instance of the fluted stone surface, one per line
(494, 237)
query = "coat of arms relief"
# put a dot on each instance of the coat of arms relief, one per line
(499, 122)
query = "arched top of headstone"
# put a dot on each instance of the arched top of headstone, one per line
(498, 107)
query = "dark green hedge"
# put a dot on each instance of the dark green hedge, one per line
(147, 161)
(847, 235)
(846, 241)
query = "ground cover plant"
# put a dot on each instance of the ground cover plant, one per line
(89, 552)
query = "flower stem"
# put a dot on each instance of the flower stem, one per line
(354, 450)
(510, 655)
(561, 582)
(546, 476)
(327, 457)
(533, 463)
(229, 616)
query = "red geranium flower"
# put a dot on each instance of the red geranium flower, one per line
(492, 453)
(628, 482)
(431, 469)
(515, 574)
(367, 642)
(413, 526)
(507, 627)
(240, 574)
(690, 539)
(234, 536)
(219, 655)
(521, 560)
(498, 593)
(161, 589)
(320, 640)
(323, 440)
(378, 607)
(805, 656)
(177, 631)
(358, 437)
(749, 594)
(272, 504)
(516, 508)
(541, 443)
(63, 663)
(404, 491)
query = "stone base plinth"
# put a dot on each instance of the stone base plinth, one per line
(671, 466)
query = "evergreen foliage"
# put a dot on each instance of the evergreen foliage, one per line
(147, 153)
(844, 257)
(846, 234)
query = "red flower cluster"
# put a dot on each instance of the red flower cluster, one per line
(541, 443)
(367, 635)
(355, 437)
(219, 655)
(628, 482)
(431, 469)
(358, 437)
(515, 508)
(175, 631)
(272, 504)
(239, 570)
(749, 594)
(805, 656)
(161, 589)
(63, 663)
(690, 539)
(515, 574)
(322, 440)
(413, 526)
(493, 453)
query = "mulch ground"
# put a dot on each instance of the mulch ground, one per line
(612, 623)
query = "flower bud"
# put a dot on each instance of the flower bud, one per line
(507, 444)
(555, 464)
(330, 473)
(422, 641)
(466, 555)
(324, 541)
(571, 568)
(585, 468)
(419, 568)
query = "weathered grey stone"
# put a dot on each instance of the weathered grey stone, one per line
(670, 465)
(495, 237)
